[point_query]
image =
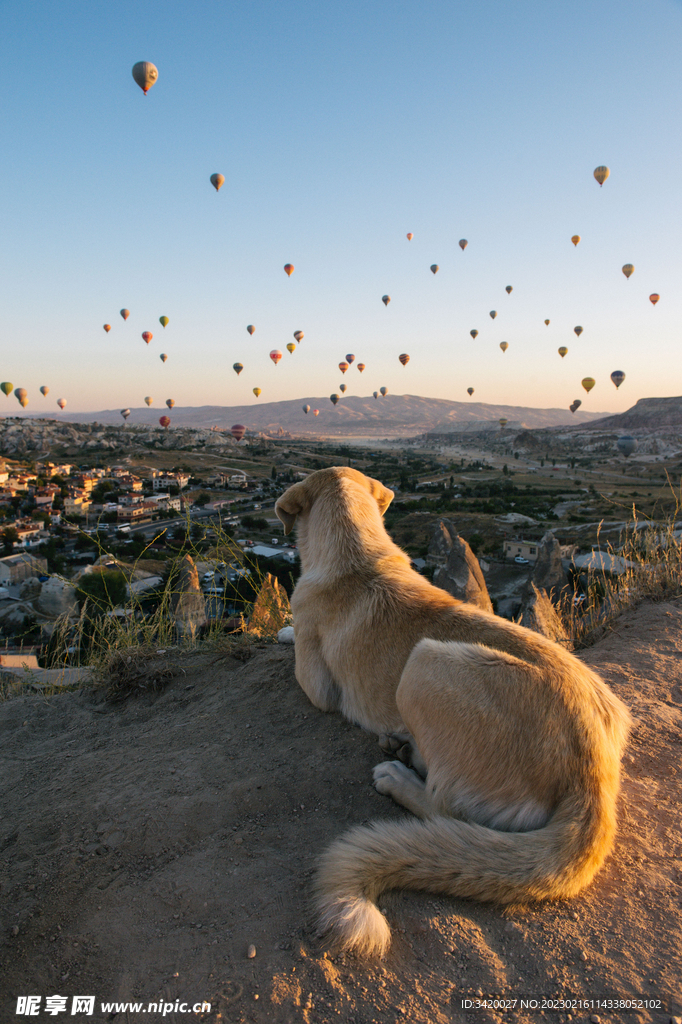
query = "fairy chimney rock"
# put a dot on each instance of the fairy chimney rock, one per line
(456, 567)
(189, 604)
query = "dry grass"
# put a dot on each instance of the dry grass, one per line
(651, 557)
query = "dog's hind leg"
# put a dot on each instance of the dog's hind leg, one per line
(402, 746)
(313, 675)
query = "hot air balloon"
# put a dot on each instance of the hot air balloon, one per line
(562, 351)
(288, 269)
(404, 358)
(578, 330)
(503, 422)
(291, 348)
(170, 403)
(463, 244)
(361, 367)
(251, 328)
(504, 345)
(493, 314)
(383, 392)
(61, 402)
(6, 387)
(434, 268)
(575, 239)
(470, 392)
(217, 180)
(343, 367)
(275, 355)
(375, 394)
(44, 390)
(653, 299)
(350, 358)
(107, 327)
(509, 289)
(333, 399)
(125, 413)
(546, 323)
(474, 333)
(125, 313)
(316, 412)
(601, 173)
(147, 336)
(145, 74)
(410, 236)
(573, 407)
(23, 402)
(164, 421)
(257, 392)
(577, 402)
(299, 335)
(588, 383)
(237, 367)
(617, 377)
(20, 393)
(342, 388)
(238, 431)
(628, 269)
(626, 444)
(163, 357)
(164, 321)
(306, 409)
(385, 299)
(149, 400)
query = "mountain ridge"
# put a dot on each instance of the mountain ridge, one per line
(399, 415)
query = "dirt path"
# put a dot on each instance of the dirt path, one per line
(144, 847)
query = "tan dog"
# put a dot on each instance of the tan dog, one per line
(516, 743)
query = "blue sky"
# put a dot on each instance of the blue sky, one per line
(338, 129)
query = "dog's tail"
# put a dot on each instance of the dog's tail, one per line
(454, 857)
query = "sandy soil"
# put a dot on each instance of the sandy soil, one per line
(145, 846)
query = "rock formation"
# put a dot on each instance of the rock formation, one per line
(548, 572)
(548, 580)
(189, 604)
(271, 610)
(56, 597)
(456, 567)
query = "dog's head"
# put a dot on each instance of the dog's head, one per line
(300, 498)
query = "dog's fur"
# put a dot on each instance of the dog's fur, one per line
(516, 743)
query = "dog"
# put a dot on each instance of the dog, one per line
(514, 744)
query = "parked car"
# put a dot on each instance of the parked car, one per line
(520, 560)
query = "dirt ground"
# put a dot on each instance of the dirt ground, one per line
(145, 846)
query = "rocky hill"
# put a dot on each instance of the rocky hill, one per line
(162, 848)
(647, 413)
(35, 438)
(394, 415)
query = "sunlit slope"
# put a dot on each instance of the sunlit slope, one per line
(647, 413)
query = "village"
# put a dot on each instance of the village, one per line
(126, 522)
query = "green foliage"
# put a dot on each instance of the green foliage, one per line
(254, 522)
(104, 590)
(9, 537)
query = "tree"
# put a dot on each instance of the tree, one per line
(9, 538)
(104, 590)
(202, 499)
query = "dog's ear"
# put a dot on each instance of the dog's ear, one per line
(382, 495)
(288, 506)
